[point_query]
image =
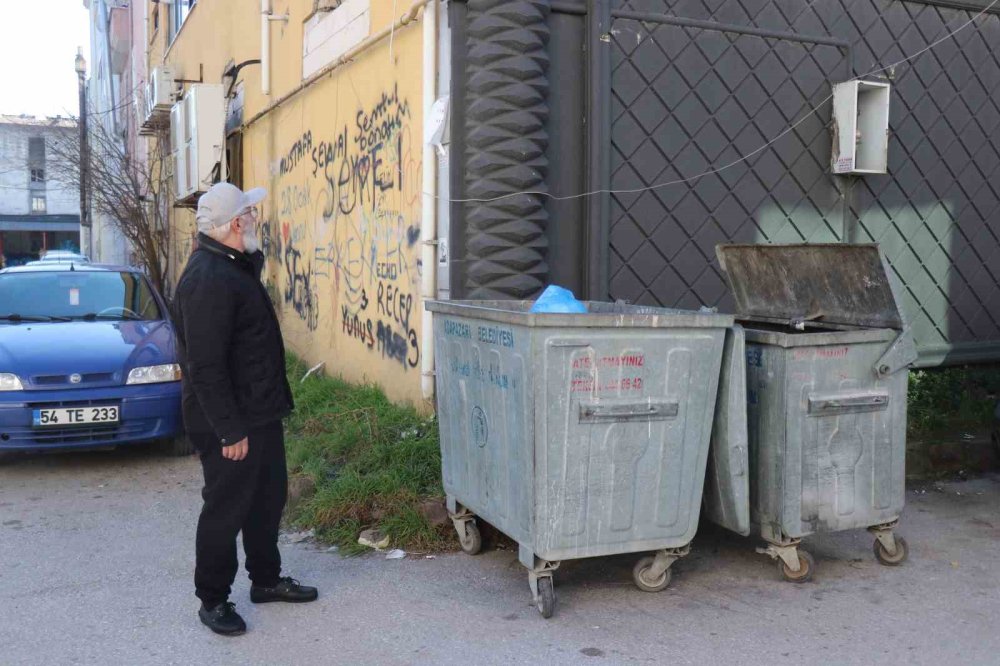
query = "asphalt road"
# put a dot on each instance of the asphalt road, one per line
(96, 555)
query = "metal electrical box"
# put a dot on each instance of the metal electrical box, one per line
(860, 127)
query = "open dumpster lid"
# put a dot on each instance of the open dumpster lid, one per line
(821, 284)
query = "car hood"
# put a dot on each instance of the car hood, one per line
(84, 347)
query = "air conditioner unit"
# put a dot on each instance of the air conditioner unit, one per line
(178, 150)
(197, 128)
(160, 96)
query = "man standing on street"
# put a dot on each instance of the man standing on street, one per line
(235, 395)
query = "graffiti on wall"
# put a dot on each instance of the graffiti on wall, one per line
(346, 228)
(300, 291)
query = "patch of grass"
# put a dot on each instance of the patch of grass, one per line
(373, 463)
(952, 399)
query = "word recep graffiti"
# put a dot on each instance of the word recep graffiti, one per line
(390, 329)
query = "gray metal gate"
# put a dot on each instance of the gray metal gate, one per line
(683, 86)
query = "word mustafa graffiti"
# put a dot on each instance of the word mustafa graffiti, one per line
(300, 149)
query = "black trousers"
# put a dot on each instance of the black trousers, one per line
(249, 496)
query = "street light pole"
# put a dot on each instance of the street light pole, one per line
(85, 221)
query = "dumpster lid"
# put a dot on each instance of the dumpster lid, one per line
(811, 284)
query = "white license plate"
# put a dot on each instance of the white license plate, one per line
(62, 418)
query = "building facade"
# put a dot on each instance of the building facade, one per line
(37, 211)
(409, 147)
(339, 146)
(111, 108)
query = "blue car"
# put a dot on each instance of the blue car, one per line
(87, 360)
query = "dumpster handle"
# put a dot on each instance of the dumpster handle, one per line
(607, 411)
(842, 403)
(900, 355)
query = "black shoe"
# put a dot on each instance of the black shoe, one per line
(287, 589)
(223, 619)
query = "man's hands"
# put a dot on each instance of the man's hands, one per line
(237, 451)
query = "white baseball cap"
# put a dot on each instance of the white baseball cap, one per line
(224, 201)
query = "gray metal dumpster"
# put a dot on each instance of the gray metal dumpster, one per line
(825, 384)
(577, 435)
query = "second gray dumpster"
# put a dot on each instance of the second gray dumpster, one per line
(577, 435)
(825, 365)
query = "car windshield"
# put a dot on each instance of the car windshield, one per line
(62, 258)
(77, 295)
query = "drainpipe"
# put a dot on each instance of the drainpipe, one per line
(428, 216)
(265, 46)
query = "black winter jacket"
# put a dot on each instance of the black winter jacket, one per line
(230, 346)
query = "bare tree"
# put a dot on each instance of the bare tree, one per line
(134, 193)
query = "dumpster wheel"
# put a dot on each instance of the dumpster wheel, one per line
(894, 560)
(470, 538)
(806, 568)
(642, 580)
(546, 601)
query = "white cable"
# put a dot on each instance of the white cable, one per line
(932, 45)
(744, 158)
(392, 30)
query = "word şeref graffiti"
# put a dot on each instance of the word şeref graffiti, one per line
(356, 171)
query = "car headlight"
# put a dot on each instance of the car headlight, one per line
(10, 382)
(155, 374)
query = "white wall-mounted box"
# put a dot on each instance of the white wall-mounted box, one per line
(178, 146)
(197, 124)
(161, 91)
(860, 127)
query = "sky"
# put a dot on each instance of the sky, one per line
(38, 42)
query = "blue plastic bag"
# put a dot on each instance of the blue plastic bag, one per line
(558, 299)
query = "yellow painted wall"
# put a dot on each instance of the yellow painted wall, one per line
(342, 165)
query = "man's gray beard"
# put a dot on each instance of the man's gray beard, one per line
(250, 242)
